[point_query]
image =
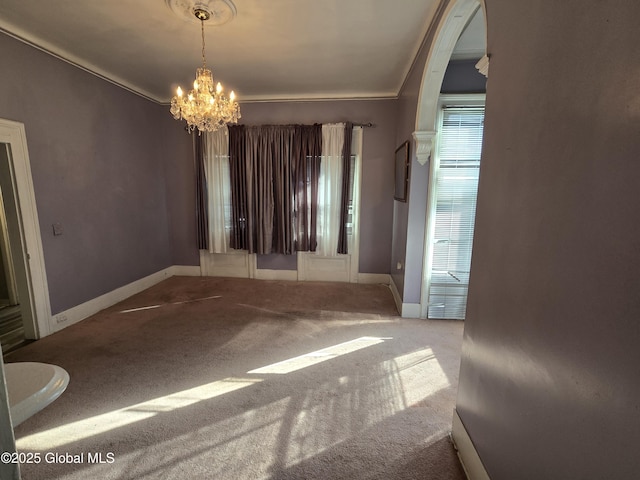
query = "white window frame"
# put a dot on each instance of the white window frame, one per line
(340, 267)
(454, 100)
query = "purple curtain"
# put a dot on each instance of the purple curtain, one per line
(274, 187)
(238, 178)
(202, 213)
(306, 169)
(347, 185)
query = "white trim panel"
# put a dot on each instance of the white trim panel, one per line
(312, 267)
(268, 274)
(236, 264)
(185, 271)
(467, 453)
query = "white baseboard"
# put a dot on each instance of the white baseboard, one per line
(374, 278)
(467, 453)
(407, 310)
(86, 309)
(411, 310)
(396, 294)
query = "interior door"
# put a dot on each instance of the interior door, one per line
(8, 289)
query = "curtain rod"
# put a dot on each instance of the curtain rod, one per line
(363, 125)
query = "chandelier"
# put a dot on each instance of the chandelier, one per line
(206, 107)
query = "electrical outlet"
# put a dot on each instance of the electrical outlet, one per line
(61, 318)
(399, 266)
(57, 229)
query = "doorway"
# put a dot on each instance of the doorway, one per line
(451, 207)
(449, 35)
(25, 311)
(11, 324)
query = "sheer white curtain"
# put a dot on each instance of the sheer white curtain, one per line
(216, 166)
(330, 189)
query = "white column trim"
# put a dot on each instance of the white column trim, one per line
(406, 310)
(483, 66)
(424, 145)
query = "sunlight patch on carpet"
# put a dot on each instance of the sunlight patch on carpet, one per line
(313, 358)
(388, 388)
(72, 432)
(421, 374)
(151, 307)
(274, 437)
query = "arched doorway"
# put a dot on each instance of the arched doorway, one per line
(451, 24)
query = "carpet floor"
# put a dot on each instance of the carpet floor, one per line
(217, 378)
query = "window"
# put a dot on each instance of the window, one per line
(455, 184)
(292, 199)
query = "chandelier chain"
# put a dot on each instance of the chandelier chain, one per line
(204, 61)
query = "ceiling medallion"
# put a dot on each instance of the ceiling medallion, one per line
(220, 11)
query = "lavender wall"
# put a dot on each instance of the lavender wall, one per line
(549, 376)
(377, 169)
(180, 183)
(409, 219)
(98, 155)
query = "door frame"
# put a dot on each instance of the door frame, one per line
(28, 260)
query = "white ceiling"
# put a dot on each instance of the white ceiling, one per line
(272, 49)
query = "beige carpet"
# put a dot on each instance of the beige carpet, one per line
(210, 378)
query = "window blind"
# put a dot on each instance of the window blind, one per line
(457, 173)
